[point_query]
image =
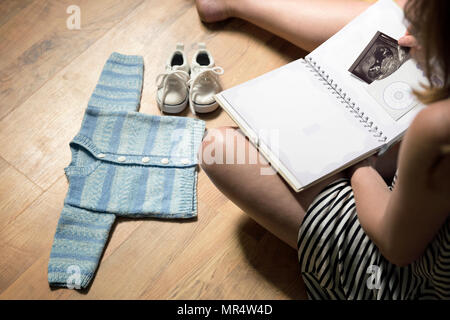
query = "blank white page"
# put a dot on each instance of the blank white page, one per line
(300, 121)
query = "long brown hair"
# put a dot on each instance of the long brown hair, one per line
(430, 24)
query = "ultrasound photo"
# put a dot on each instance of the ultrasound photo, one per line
(382, 57)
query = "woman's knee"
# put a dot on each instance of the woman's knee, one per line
(217, 146)
(225, 147)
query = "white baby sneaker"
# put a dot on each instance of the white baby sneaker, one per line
(204, 82)
(172, 93)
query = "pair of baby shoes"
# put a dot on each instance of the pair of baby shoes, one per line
(196, 84)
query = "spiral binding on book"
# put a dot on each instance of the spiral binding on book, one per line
(345, 99)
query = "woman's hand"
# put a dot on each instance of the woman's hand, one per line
(401, 3)
(369, 162)
(410, 41)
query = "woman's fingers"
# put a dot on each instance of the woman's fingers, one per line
(401, 3)
(408, 41)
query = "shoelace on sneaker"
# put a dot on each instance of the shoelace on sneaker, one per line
(204, 73)
(163, 78)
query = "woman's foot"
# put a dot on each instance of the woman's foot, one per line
(213, 10)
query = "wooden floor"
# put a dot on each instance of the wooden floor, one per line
(47, 73)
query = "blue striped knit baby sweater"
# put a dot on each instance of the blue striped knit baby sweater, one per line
(124, 163)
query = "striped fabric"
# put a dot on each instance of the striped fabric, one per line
(124, 163)
(339, 261)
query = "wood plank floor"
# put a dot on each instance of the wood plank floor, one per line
(47, 73)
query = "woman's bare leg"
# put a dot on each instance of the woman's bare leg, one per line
(305, 23)
(265, 198)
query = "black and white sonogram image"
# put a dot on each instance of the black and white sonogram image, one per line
(382, 57)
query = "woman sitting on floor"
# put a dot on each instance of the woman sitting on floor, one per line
(352, 222)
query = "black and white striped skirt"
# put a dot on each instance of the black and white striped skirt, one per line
(339, 261)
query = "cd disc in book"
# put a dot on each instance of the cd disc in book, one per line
(398, 96)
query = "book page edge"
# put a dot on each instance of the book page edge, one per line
(295, 184)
